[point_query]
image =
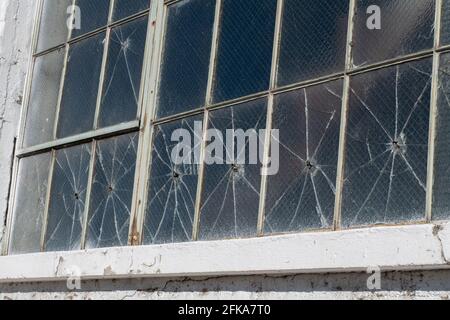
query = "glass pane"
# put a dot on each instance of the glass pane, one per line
(40, 120)
(387, 145)
(112, 192)
(93, 15)
(53, 28)
(81, 87)
(441, 187)
(407, 26)
(301, 196)
(29, 204)
(313, 39)
(173, 184)
(123, 73)
(186, 56)
(67, 199)
(244, 55)
(445, 23)
(230, 197)
(125, 8)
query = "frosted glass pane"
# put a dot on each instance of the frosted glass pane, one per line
(53, 29)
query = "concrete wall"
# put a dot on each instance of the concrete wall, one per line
(16, 18)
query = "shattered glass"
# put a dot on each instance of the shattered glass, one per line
(40, 120)
(123, 73)
(93, 14)
(230, 196)
(245, 46)
(387, 145)
(172, 185)
(29, 206)
(81, 86)
(52, 29)
(445, 23)
(301, 196)
(125, 8)
(313, 39)
(441, 187)
(67, 198)
(112, 191)
(186, 56)
(412, 21)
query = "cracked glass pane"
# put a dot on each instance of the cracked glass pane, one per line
(230, 196)
(29, 204)
(445, 23)
(301, 196)
(93, 15)
(172, 185)
(40, 120)
(387, 145)
(81, 86)
(123, 73)
(313, 39)
(53, 29)
(67, 198)
(125, 8)
(244, 55)
(412, 21)
(441, 186)
(186, 56)
(112, 192)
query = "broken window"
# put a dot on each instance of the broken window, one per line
(172, 186)
(387, 145)
(301, 196)
(230, 197)
(186, 56)
(405, 27)
(313, 39)
(245, 47)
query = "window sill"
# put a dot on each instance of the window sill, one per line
(411, 247)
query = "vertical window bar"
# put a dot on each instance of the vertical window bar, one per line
(343, 127)
(209, 94)
(47, 200)
(267, 138)
(433, 111)
(87, 201)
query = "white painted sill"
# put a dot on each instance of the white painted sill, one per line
(414, 247)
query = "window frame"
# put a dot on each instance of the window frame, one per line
(146, 121)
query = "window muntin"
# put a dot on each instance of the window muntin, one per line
(211, 102)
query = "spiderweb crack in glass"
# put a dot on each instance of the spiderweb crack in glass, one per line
(112, 191)
(387, 145)
(230, 196)
(172, 187)
(301, 196)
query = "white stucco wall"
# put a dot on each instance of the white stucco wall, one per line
(318, 267)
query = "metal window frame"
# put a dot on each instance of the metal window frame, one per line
(147, 120)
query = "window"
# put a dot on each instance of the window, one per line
(126, 132)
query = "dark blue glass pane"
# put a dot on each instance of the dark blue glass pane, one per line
(125, 8)
(92, 15)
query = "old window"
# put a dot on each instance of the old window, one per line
(126, 132)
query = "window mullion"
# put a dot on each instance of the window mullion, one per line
(47, 199)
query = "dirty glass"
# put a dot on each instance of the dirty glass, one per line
(301, 196)
(43, 101)
(120, 97)
(29, 207)
(93, 15)
(125, 8)
(441, 187)
(407, 26)
(173, 184)
(245, 48)
(445, 23)
(313, 39)
(387, 145)
(53, 30)
(230, 196)
(186, 56)
(81, 86)
(67, 198)
(112, 192)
